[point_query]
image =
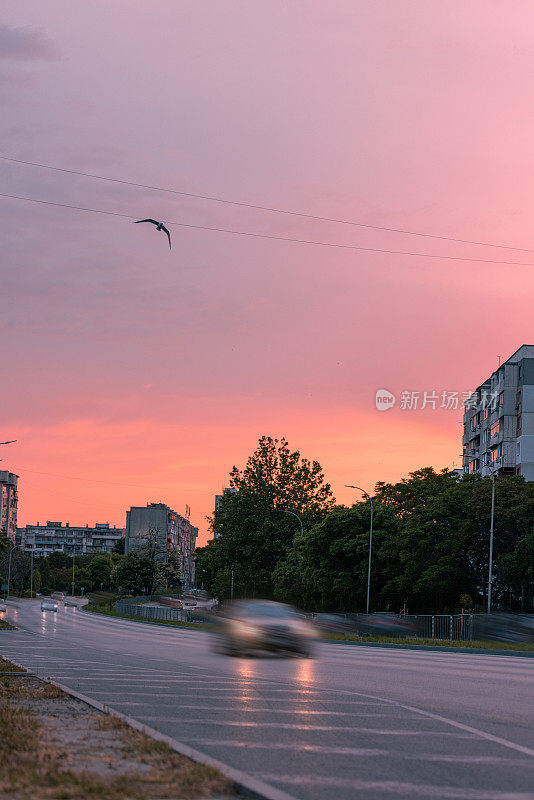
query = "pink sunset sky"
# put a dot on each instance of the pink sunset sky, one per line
(131, 373)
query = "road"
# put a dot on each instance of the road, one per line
(354, 722)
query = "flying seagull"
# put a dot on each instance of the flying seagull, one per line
(159, 226)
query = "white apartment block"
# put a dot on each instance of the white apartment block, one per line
(54, 537)
(8, 503)
(499, 420)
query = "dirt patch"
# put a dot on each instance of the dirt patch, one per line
(54, 747)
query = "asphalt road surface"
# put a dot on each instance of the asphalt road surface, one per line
(354, 722)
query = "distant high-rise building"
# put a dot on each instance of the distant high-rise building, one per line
(219, 497)
(8, 503)
(499, 420)
(169, 536)
(54, 537)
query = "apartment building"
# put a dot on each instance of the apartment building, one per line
(8, 503)
(54, 537)
(166, 533)
(499, 420)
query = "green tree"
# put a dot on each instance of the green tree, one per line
(252, 532)
(100, 571)
(118, 547)
(326, 569)
(134, 574)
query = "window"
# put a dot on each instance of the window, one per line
(496, 453)
(495, 428)
(501, 399)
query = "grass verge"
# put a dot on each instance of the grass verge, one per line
(8, 666)
(54, 748)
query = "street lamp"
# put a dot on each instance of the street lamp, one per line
(10, 441)
(370, 539)
(9, 570)
(73, 554)
(297, 516)
(490, 567)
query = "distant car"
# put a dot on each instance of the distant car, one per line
(58, 596)
(71, 603)
(3, 607)
(248, 626)
(48, 604)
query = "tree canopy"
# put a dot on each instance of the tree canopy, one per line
(251, 531)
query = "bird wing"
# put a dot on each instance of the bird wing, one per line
(153, 221)
(163, 228)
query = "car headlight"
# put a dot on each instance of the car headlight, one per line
(244, 631)
(303, 629)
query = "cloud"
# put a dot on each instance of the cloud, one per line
(25, 44)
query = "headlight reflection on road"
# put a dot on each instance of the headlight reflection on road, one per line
(245, 673)
(305, 676)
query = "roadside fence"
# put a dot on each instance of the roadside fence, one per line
(134, 607)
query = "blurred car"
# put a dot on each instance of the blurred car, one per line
(57, 596)
(48, 604)
(3, 607)
(249, 626)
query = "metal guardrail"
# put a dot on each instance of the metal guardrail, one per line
(455, 627)
(133, 608)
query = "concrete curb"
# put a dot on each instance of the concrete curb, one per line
(434, 648)
(254, 787)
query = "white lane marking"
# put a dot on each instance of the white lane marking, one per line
(469, 729)
(295, 726)
(241, 697)
(361, 751)
(461, 759)
(246, 709)
(396, 787)
(302, 748)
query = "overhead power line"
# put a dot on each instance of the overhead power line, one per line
(273, 237)
(257, 207)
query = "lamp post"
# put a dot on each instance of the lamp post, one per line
(297, 516)
(366, 494)
(490, 567)
(31, 575)
(73, 554)
(9, 570)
